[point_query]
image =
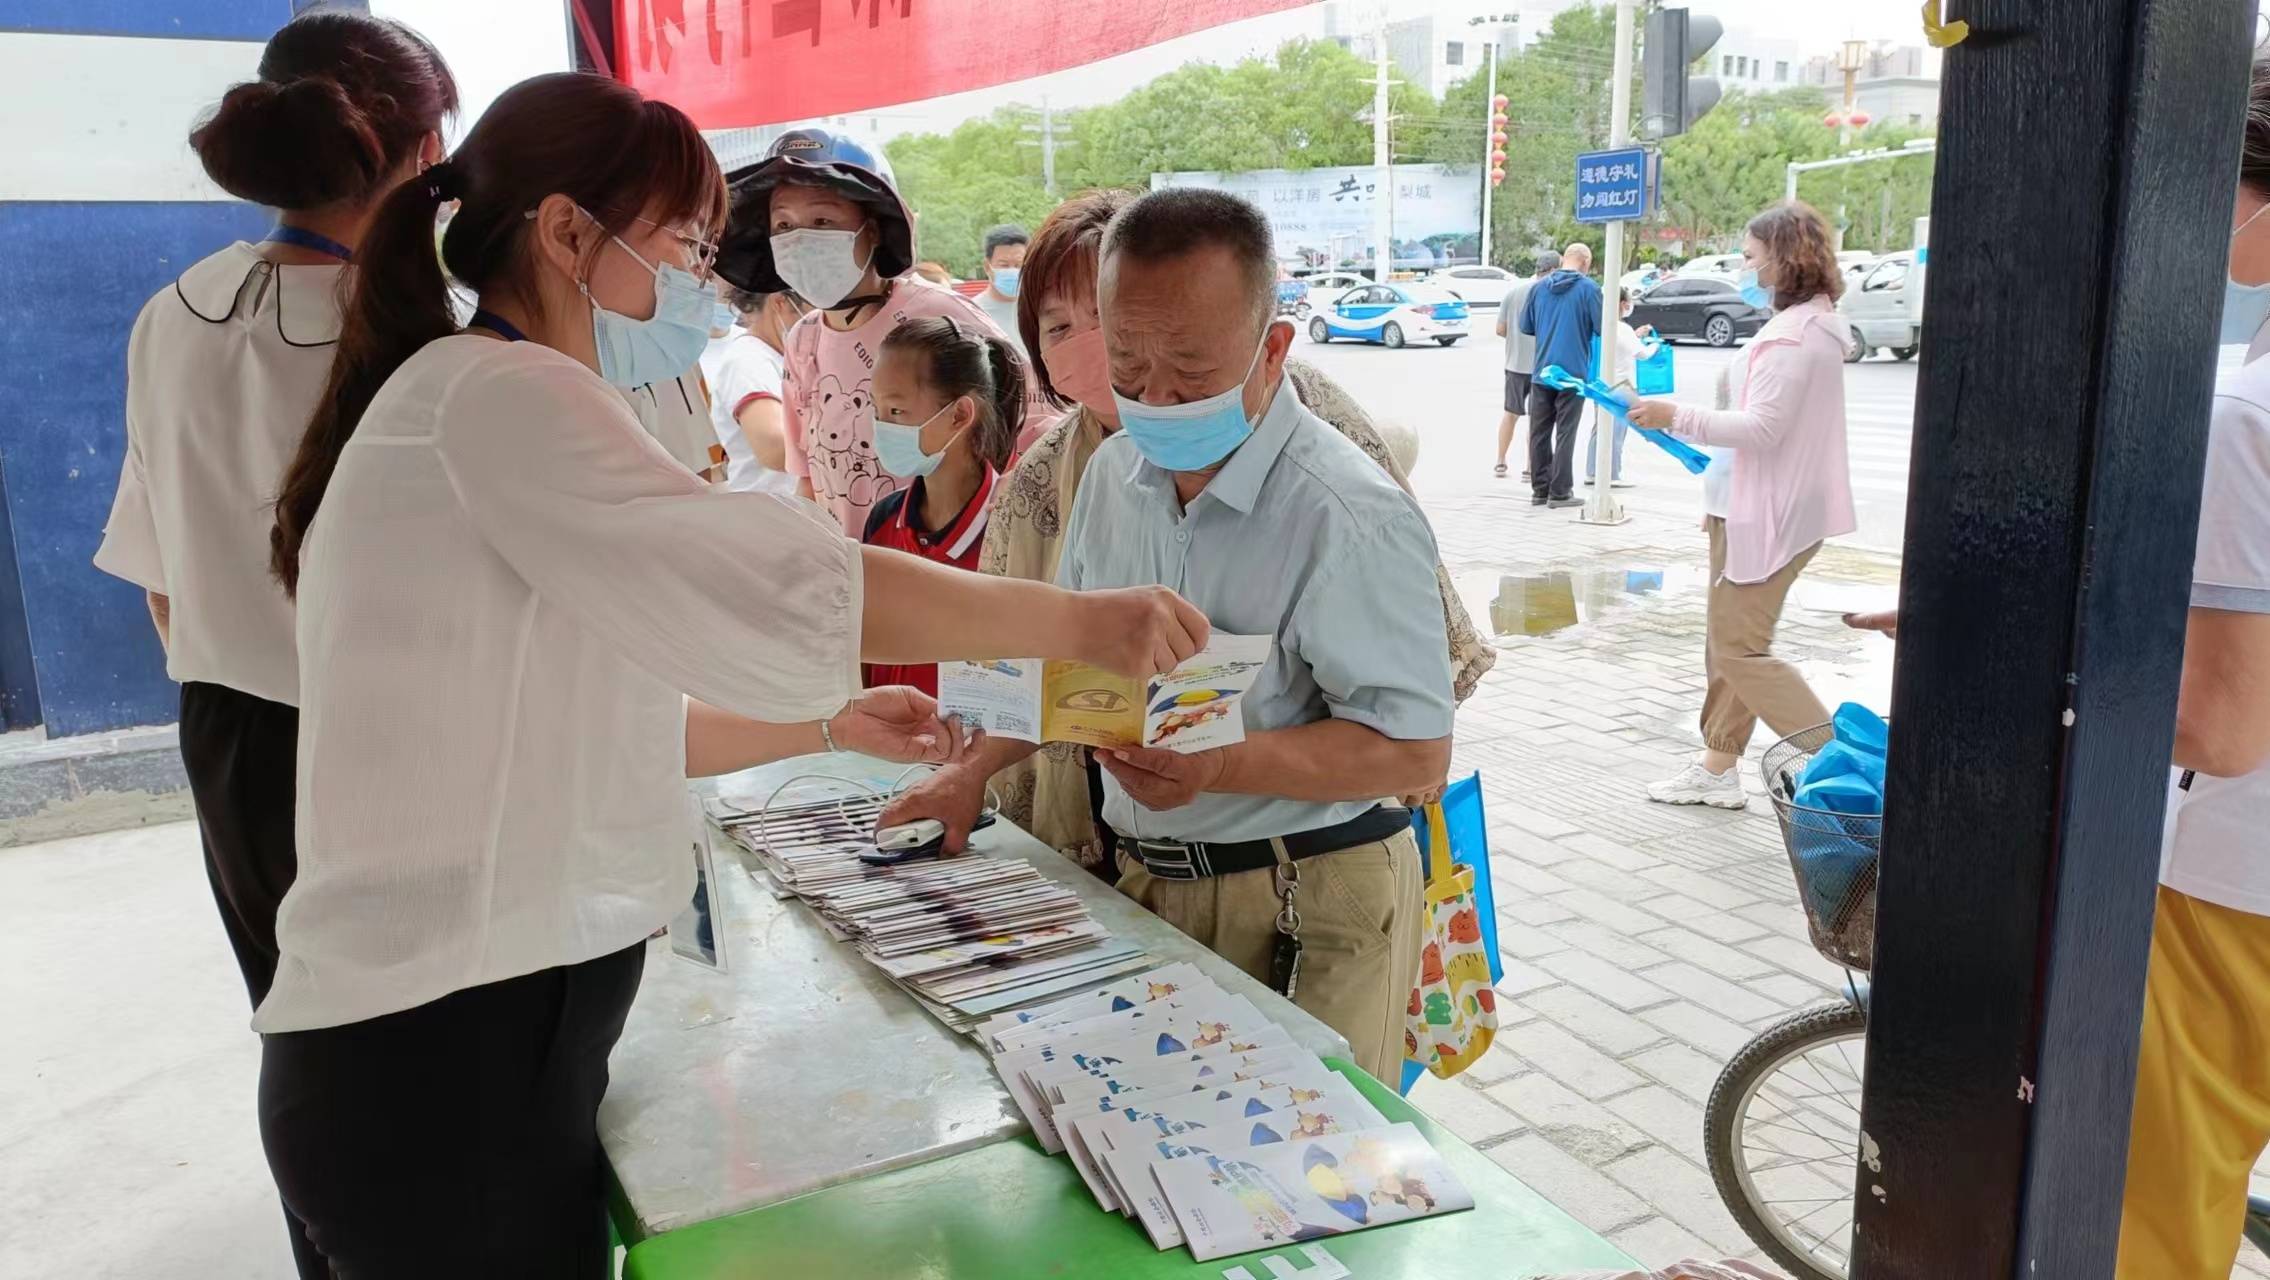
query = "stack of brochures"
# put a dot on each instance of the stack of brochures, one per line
(966, 936)
(1185, 1109)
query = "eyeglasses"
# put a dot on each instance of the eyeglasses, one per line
(702, 254)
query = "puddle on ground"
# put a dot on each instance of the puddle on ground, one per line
(1537, 604)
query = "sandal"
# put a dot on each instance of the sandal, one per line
(1500, 472)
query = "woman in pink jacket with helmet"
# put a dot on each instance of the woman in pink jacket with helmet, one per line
(1787, 490)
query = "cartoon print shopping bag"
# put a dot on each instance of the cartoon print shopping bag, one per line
(1453, 1014)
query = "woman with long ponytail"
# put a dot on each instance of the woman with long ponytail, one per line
(223, 368)
(522, 626)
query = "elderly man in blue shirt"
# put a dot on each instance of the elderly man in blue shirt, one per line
(1283, 853)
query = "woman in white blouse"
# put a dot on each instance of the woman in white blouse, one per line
(223, 369)
(521, 626)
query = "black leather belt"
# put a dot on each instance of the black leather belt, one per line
(1197, 859)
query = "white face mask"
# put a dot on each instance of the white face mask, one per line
(823, 267)
(2245, 306)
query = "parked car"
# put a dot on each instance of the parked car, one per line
(1477, 286)
(1855, 264)
(1393, 314)
(1886, 308)
(1705, 307)
(1325, 287)
(1719, 265)
(1641, 279)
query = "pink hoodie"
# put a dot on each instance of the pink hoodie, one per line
(1791, 486)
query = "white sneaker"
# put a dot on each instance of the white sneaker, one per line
(1697, 785)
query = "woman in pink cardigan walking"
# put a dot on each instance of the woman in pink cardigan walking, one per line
(1788, 489)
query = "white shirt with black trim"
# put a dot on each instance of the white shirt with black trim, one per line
(223, 369)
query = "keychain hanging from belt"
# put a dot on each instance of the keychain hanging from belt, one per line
(1285, 961)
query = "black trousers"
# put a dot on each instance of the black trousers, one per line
(458, 1138)
(241, 754)
(1553, 415)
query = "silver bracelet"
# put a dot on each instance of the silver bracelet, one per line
(828, 736)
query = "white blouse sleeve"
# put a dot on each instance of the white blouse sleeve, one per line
(130, 547)
(747, 601)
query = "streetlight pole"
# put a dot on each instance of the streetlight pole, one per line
(1911, 147)
(1489, 145)
(1604, 508)
(1383, 242)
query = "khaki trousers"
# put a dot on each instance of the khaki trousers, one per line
(1747, 683)
(1362, 914)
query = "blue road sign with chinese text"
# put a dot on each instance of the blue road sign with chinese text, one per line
(1612, 186)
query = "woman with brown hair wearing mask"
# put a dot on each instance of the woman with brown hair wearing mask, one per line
(222, 370)
(522, 627)
(1048, 793)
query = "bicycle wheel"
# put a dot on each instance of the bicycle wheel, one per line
(1782, 1131)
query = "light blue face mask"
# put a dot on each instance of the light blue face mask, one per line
(632, 352)
(1757, 295)
(1193, 436)
(725, 317)
(2245, 306)
(1005, 280)
(898, 446)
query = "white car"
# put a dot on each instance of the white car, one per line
(1725, 266)
(1643, 279)
(1392, 315)
(1854, 263)
(1479, 286)
(1325, 287)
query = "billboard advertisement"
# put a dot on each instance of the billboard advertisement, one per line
(1322, 218)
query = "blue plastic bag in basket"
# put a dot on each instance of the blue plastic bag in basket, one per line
(1469, 847)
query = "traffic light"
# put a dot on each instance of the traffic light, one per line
(1672, 99)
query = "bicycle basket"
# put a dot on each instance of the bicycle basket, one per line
(1832, 854)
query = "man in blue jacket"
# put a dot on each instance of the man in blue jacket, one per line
(1563, 314)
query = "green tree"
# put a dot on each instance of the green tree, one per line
(1735, 160)
(1558, 101)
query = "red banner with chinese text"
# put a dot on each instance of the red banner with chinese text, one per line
(733, 63)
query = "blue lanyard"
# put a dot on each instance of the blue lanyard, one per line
(490, 320)
(303, 238)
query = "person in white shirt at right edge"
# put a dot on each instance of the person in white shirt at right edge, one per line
(2202, 1114)
(521, 626)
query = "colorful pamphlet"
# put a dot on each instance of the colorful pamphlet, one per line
(1237, 1199)
(1192, 708)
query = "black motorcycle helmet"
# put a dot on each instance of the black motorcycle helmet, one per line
(819, 158)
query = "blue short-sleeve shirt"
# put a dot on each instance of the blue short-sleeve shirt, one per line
(1300, 536)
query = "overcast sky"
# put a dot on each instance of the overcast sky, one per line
(1817, 26)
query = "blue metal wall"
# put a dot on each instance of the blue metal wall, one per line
(77, 261)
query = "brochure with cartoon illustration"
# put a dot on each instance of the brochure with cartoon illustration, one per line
(1191, 708)
(1122, 1144)
(1086, 1135)
(1126, 993)
(1235, 1199)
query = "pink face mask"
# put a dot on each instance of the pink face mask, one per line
(1079, 368)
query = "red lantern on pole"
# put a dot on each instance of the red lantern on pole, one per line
(1497, 138)
(1498, 102)
(1497, 177)
(1832, 120)
(1497, 160)
(1860, 119)
(1498, 120)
